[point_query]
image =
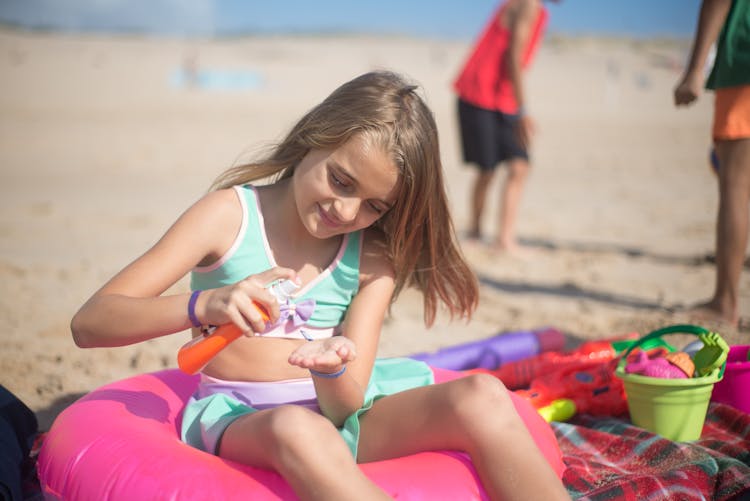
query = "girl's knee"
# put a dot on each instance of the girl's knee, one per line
(303, 445)
(294, 430)
(484, 386)
(479, 394)
(293, 423)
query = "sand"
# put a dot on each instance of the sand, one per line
(101, 149)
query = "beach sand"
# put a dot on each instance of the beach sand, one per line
(103, 145)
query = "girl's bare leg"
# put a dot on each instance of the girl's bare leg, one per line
(304, 447)
(473, 414)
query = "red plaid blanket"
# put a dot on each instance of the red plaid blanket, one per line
(608, 458)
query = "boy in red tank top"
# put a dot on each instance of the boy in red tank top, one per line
(494, 125)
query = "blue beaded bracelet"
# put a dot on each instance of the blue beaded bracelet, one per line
(191, 308)
(329, 375)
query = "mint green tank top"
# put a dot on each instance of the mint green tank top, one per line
(250, 253)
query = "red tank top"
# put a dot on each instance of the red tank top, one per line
(484, 80)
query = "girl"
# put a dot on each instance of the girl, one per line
(353, 209)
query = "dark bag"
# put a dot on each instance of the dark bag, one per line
(18, 430)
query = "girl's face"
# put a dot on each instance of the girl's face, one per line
(346, 189)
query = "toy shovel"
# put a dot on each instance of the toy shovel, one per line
(712, 355)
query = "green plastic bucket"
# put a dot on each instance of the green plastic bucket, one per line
(673, 408)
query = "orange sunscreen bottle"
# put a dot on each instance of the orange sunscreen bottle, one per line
(196, 353)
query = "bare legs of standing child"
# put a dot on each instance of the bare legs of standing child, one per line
(731, 231)
(515, 181)
(510, 201)
(473, 414)
(479, 191)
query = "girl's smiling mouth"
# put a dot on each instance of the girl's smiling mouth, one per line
(328, 221)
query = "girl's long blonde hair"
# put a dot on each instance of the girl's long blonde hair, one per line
(418, 230)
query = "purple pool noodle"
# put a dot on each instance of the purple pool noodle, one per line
(492, 352)
(456, 357)
(508, 348)
(459, 357)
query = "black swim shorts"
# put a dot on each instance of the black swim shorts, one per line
(488, 137)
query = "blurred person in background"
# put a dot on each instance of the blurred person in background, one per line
(495, 125)
(729, 21)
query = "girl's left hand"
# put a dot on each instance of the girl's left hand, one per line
(324, 355)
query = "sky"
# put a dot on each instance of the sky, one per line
(455, 19)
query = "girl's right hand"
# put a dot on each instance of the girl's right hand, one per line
(234, 303)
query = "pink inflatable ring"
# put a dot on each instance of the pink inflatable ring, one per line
(121, 442)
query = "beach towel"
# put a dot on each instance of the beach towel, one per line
(609, 458)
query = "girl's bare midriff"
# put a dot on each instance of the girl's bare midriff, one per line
(256, 359)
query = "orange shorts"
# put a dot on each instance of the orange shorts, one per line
(732, 113)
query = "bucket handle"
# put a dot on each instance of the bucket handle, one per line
(672, 329)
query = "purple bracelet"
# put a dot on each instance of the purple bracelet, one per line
(327, 375)
(191, 308)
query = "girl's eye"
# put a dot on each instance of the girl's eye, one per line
(376, 208)
(338, 181)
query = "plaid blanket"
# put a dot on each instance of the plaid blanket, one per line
(608, 458)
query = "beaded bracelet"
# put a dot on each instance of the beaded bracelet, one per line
(329, 375)
(191, 308)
